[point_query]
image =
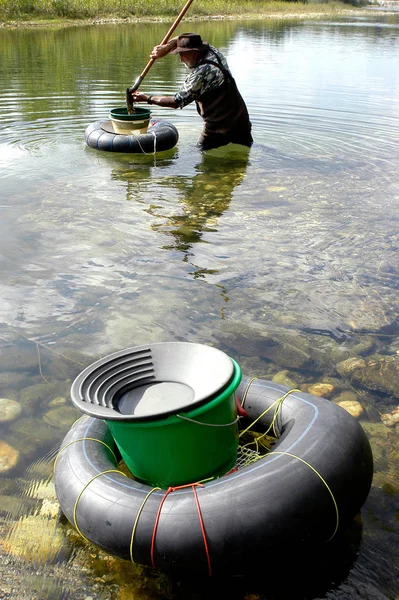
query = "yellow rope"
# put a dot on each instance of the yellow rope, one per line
(276, 403)
(75, 508)
(244, 396)
(137, 519)
(205, 480)
(322, 479)
(83, 440)
(40, 363)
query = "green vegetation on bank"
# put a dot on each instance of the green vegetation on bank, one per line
(23, 10)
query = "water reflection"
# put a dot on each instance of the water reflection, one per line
(311, 575)
(202, 198)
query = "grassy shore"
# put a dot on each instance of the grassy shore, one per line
(72, 12)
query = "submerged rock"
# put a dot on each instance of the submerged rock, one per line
(14, 379)
(353, 407)
(14, 358)
(378, 431)
(364, 347)
(378, 373)
(300, 352)
(349, 366)
(391, 419)
(9, 410)
(62, 417)
(30, 435)
(31, 396)
(9, 457)
(323, 390)
(284, 378)
(58, 401)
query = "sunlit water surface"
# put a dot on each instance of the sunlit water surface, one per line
(297, 241)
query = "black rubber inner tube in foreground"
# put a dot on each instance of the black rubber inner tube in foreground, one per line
(308, 488)
(160, 136)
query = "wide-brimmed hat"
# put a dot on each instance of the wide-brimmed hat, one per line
(187, 42)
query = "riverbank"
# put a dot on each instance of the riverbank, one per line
(290, 11)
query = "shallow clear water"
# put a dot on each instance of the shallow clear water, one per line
(294, 245)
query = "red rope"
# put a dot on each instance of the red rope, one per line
(154, 533)
(208, 558)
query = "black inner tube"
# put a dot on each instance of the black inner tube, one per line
(160, 136)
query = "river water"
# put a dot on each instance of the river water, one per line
(286, 258)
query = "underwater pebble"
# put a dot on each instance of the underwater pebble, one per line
(283, 377)
(347, 367)
(61, 417)
(321, 389)
(391, 419)
(353, 407)
(9, 410)
(9, 457)
(59, 401)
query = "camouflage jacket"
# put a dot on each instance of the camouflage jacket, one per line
(202, 78)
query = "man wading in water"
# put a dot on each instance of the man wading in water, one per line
(211, 86)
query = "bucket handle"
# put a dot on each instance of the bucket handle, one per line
(209, 424)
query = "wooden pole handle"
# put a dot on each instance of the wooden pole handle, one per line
(129, 101)
(167, 36)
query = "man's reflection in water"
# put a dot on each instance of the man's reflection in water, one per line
(204, 197)
(197, 202)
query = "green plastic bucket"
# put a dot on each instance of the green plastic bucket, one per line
(186, 447)
(125, 123)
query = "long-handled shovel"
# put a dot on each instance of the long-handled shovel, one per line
(137, 83)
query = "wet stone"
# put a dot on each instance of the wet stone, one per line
(33, 432)
(378, 431)
(27, 449)
(69, 366)
(58, 401)
(62, 417)
(32, 395)
(378, 372)
(284, 378)
(323, 390)
(9, 457)
(353, 407)
(365, 346)
(13, 379)
(351, 365)
(16, 359)
(9, 410)
(391, 419)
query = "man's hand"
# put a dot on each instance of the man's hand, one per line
(139, 97)
(163, 49)
(160, 51)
